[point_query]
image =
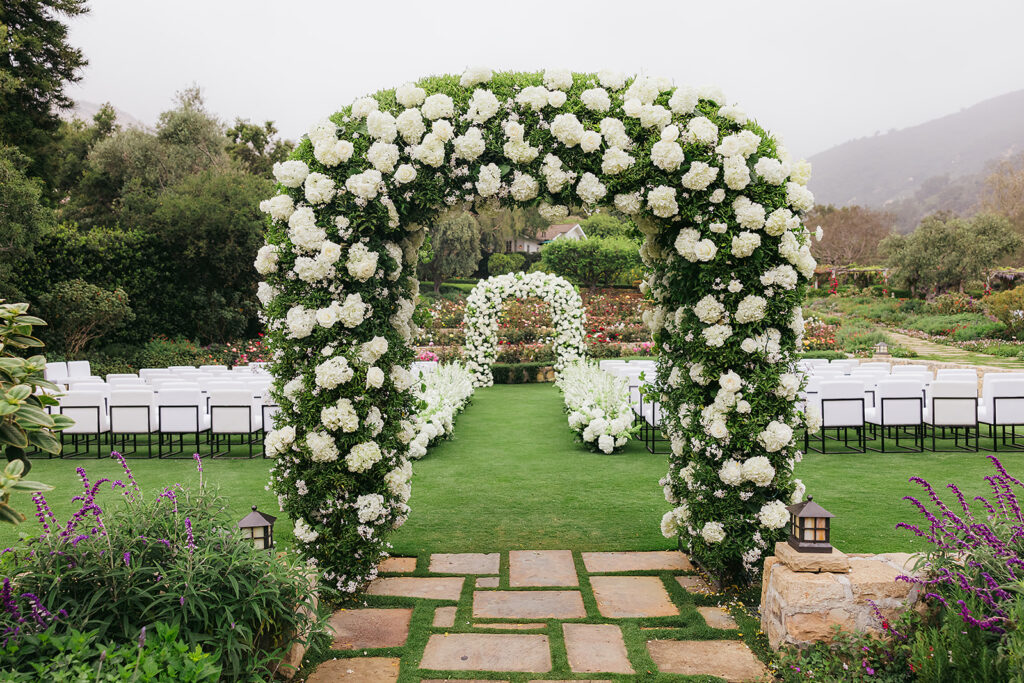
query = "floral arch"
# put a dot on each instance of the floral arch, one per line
(726, 257)
(483, 308)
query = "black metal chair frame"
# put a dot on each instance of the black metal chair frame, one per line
(956, 429)
(917, 434)
(180, 453)
(249, 438)
(651, 432)
(77, 440)
(1013, 445)
(861, 430)
(121, 438)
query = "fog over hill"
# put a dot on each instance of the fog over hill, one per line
(940, 164)
(86, 110)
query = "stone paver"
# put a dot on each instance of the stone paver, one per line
(434, 588)
(694, 584)
(717, 617)
(487, 652)
(355, 629)
(659, 560)
(467, 680)
(530, 568)
(444, 617)
(632, 596)
(357, 670)
(528, 605)
(465, 563)
(511, 627)
(728, 659)
(594, 648)
(487, 582)
(397, 565)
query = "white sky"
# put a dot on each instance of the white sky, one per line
(817, 73)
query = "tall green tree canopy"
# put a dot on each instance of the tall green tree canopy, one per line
(36, 63)
(257, 148)
(452, 248)
(23, 218)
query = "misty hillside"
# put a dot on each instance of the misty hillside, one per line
(937, 165)
(86, 110)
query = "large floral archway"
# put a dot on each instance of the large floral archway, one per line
(726, 259)
(484, 305)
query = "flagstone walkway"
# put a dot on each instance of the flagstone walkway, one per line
(541, 615)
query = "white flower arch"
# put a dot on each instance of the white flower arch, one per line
(484, 306)
(726, 258)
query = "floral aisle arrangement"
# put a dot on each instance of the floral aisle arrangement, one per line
(443, 394)
(598, 406)
(726, 255)
(483, 308)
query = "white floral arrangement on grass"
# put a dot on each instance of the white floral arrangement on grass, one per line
(598, 406)
(484, 306)
(726, 257)
(443, 393)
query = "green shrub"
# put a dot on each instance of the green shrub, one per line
(952, 303)
(517, 373)
(830, 355)
(176, 558)
(161, 352)
(1008, 308)
(500, 264)
(80, 313)
(156, 655)
(591, 262)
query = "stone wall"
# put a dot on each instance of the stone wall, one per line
(803, 596)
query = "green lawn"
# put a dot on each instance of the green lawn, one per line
(514, 478)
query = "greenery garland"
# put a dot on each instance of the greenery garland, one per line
(726, 256)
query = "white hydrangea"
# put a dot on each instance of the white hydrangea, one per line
(475, 75)
(683, 101)
(629, 203)
(749, 215)
(319, 189)
(533, 96)
(489, 181)
(702, 130)
(736, 174)
(709, 310)
(613, 80)
(801, 172)
(469, 145)
(363, 456)
(333, 372)
(438, 106)
(758, 470)
(675, 521)
(654, 116)
(321, 447)
(524, 187)
(279, 207)
(482, 106)
(334, 152)
(553, 213)
(361, 263)
(558, 79)
(783, 276)
(772, 170)
(370, 507)
(596, 99)
(731, 473)
(591, 141)
(353, 311)
(799, 197)
(291, 173)
(616, 161)
(614, 132)
(567, 129)
(751, 309)
(410, 125)
(303, 532)
(341, 415)
(789, 385)
(266, 259)
(382, 126)
(300, 322)
(278, 440)
(776, 436)
(699, 176)
(590, 189)
(410, 95)
(362, 107)
(364, 185)
(667, 154)
(773, 515)
(662, 201)
(798, 492)
(716, 335)
(713, 532)
(745, 244)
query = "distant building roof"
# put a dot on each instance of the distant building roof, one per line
(554, 231)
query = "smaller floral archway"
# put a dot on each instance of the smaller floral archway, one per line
(484, 306)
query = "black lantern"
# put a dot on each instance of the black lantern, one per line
(882, 349)
(809, 531)
(259, 528)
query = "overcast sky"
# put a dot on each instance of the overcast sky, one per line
(817, 73)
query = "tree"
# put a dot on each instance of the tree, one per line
(81, 313)
(257, 148)
(947, 252)
(591, 262)
(1004, 191)
(499, 264)
(606, 225)
(72, 144)
(36, 63)
(452, 249)
(851, 234)
(501, 226)
(22, 218)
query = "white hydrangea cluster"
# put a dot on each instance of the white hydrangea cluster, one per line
(713, 193)
(444, 392)
(598, 406)
(483, 307)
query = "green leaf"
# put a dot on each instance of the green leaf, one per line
(7, 409)
(29, 320)
(13, 434)
(19, 392)
(45, 441)
(35, 415)
(30, 486)
(61, 422)
(10, 515)
(14, 468)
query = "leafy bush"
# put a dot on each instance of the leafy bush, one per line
(81, 313)
(830, 355)
(1008, 308)
(517, 373)
(591, 262)
(176, 558)
(76, 656)
(499, 264)
(856, 335)
(952, 303)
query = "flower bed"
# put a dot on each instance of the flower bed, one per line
(443, 394)
(598, 406)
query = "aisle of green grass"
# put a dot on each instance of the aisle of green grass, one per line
(512, 477)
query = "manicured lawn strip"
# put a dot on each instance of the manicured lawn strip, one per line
(513, 478)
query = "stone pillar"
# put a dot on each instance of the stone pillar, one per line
(803, 595)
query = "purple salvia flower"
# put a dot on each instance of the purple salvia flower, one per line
(191, 542)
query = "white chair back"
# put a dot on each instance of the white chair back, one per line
(842, 403)
(87, 408)
(952, 403)
(56, 372)
(231, 412)
(133, 411)
(900, 402)
(79, 368)
(900, 369)
(956, 373)
(1002, 399)
(182, 410)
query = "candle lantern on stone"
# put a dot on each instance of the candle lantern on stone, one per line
(882, 350)
(259, 528)
(810, 530)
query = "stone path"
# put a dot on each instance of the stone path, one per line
(516, 616)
